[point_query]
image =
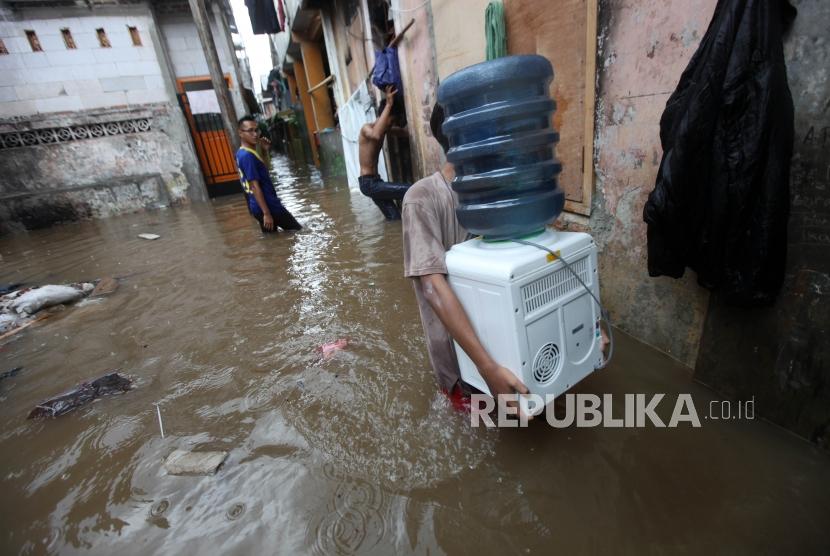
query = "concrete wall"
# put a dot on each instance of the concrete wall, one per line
(106, 173)
(417, 56)
(455, 49)
(60, 79)
(643, 47)
(779, 355)
(92, 131)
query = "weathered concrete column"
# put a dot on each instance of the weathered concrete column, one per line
(308, 109)
(220, 87)
(191, 168)
(222, 19)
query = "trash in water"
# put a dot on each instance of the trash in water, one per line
(11, 373)
(11, 327)
(18, 307)
(8, 322)
(149, 236)
(105, 286)
(82, 394)
(182, 462)
(33, 300)
(9, 288)
(161, 425)
(330, 348)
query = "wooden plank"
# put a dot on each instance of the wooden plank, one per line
(564, 31)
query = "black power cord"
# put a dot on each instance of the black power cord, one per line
(602, 310)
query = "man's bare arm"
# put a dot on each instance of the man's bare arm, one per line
(449, 310)
(267, 219)
(384, 121)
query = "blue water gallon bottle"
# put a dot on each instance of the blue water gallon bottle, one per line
(502, 143)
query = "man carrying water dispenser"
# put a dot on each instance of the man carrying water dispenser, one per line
(529, 293)
(430, 229)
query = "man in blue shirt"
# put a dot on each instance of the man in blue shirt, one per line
(263, 203)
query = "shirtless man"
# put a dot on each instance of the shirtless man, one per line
(387, 196)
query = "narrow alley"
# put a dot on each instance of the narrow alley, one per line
(356, 452)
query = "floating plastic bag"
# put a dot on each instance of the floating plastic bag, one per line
(39, 298)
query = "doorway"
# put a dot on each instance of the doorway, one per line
(213, 147)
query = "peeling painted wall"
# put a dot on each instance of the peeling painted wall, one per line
(44, 184)
(643, 47)
(456, 49)
(419, 72)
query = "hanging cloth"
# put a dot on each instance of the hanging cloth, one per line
(721, 201)
(494, 31)
(387, 71)
(263, 16)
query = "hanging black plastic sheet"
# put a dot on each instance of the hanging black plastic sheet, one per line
(721, 202)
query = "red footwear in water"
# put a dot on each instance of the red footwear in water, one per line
(459, 399)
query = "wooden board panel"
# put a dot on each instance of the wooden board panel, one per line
(563, 31)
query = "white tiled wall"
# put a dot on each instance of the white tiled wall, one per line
(60, 80)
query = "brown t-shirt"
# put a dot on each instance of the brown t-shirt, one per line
(430, 228)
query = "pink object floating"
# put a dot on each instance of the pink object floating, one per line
(330, 348)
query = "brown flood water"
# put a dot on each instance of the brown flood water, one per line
(355, 454)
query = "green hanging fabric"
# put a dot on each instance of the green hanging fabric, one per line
(495, 31)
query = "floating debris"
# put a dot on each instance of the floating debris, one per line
(105, 286)
(161, 425)
(330, 348)
(13, 326)
(11, 373)
(182, 462)
(149, 236)
(35, 299)
(17, 308)
(8, 288)
(82, 394)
